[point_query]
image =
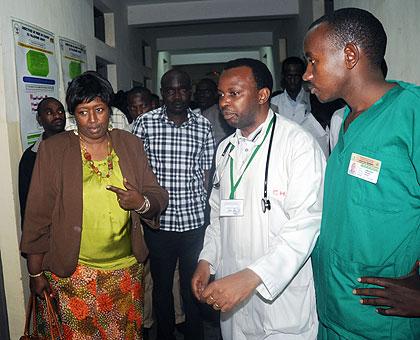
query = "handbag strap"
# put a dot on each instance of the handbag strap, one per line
(31, 313)
(53, 323)
(52, 319)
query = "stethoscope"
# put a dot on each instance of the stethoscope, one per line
(265, 202)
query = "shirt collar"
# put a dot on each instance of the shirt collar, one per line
(255, 136)
(38, 141)
(192, 116)
(302, 97)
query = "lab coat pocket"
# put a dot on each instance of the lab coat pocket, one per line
(293, 312)
(344, 309)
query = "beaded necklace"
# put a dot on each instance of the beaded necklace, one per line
(88, 157)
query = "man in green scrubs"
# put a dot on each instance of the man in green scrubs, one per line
(371, 217)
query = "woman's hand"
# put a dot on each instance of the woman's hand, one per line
(129, 199)
(38, 285)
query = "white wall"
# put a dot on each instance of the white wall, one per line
(401, 22)
(266, 56)
(164, 64)
(215, 41)
(212, 57)
(127, 52)
(162, 12)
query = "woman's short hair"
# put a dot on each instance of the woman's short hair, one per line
(85, 88)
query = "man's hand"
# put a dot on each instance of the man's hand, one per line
(129, 199)
(200, 278)
(400, 296)
(226, 293)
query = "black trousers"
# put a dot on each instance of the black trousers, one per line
(165, 248)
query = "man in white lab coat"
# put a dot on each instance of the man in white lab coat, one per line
(261, 236)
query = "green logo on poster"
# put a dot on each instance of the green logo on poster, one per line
(75, 69)
(37, 63)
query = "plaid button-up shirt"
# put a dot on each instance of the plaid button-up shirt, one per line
(179, 155)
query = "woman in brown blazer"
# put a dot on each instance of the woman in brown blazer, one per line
(92, 190)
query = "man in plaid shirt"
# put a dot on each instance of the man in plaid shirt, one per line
(179, 143)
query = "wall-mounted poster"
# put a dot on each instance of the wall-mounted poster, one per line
(73, 60)
(36, 74)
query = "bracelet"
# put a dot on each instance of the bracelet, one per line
(35, 275)
(144, 207)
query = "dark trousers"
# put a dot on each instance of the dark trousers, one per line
(166, 247)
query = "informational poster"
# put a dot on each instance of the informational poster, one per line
(73, 60)
(36, 74)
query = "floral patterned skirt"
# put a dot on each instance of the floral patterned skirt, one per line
(100, 304)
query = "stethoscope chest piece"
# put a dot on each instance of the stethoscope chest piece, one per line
(265, 204)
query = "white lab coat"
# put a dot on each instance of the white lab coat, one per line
(299, 111)
(276, 245)
(335, 126)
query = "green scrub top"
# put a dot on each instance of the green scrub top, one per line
(105, 242)
(370, 229)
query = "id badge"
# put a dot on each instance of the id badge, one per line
(231, 208)
(364, 168)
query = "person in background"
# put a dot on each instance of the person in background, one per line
(207, 101)
(294, 102)
(179, 144)
(92, 190)
(258, 246)
(155, 101)
(139, 101)
(51, 116)
(369, 241)
(119, 101)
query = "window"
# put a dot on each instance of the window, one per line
(104, 24)
(99, 20)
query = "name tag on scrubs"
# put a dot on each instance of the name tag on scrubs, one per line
(231, 208)
(364, 168)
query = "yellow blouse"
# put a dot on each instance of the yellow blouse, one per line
(105, 242)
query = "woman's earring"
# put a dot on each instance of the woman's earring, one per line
(76, 132)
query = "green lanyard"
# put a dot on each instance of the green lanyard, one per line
(234, 186)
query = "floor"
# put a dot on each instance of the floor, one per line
(211, 332)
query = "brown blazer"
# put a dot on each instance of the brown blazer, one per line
(53, 218)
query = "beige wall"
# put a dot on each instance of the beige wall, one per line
(402, 25)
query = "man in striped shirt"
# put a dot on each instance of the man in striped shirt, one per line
(179, 143)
